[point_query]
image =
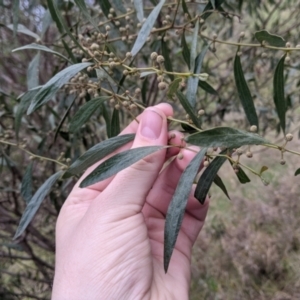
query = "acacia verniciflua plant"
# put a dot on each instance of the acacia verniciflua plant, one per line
(117, 58)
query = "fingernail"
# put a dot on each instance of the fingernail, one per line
(151, 124)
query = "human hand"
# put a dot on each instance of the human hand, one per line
(110, 235)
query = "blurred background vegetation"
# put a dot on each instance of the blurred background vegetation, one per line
(250, 246)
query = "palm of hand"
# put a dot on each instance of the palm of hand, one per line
(110, 240)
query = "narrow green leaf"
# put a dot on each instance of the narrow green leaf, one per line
(219, 182)
(55, 15)
(146, 28)
(23, 106)
(105, 6)
(192, 84)
(26, 186)
(61, 122)
(106, 116)
(118, 4)
(166, 54)
(213, 3)
(194, 45)
(278, 90)
(54, 84)
(270, 39)
(185, 50)
(185, 8)
(60, 23)
(85, 112)
(82, 7)
(42, 48)
(225, 137)
(241, 175)
(69, 51)
(208, 177)
(115, 123)
(138, 5)
(209, 7)
(98, 152)
(188, 108)
(176, 209)
(207, 87)
(297, 172)
(33, 72)
(22, 29)
(35, 202)
(173, 87)
(244, 92)
(117, 163)
(47, 20)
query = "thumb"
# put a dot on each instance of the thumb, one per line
(132, 185)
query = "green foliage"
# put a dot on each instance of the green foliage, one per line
(83, 71)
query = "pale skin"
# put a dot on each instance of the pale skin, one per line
(109, 236)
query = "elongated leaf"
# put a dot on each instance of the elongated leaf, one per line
(53, 85)
(225, 137)
(278, 90)
(55, 16)
(61, 122)
(210, 7)
(173, 87)
(219, 182)
(105, 6)
(47, 20)
(69, 51)
(118, 4)
(194, 45)
(60, 23)
(23, 106)
(297, 172)
(192, 84)
(33, 72)
(26, 186)
(241, 175)
(270, 39)
(188, 108)
(98, 152)
(118, 163)
(185, 8)
(213, 3)
(207, 177)
(115, 123)
(22, 29)
(42, 48)
(81, 5)
(185, 50)
(244, 92)
(146, 28)
(166, 54)
(138, 5)
(106, 116)
(85, 112)
(207, 87)
(176, 209)
(35, 203)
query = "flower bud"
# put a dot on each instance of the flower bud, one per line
(289, 137)
(162, 86)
